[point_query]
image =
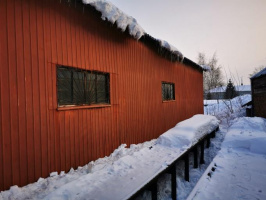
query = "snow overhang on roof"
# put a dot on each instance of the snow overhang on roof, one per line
(114, 15)
(259, 74)
(206, 68)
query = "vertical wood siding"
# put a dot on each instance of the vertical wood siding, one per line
(35, 138)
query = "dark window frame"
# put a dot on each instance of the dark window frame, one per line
(168, 91)
(79, 87)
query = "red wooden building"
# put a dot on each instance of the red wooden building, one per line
(74, 87)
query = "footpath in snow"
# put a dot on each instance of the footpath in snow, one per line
(238, 171)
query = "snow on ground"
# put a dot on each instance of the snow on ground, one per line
(238, 171)
(123, 172)
(227, 110)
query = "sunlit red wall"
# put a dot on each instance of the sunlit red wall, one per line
(36, 138)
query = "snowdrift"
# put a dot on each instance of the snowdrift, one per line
(188, 132)
(124, 172)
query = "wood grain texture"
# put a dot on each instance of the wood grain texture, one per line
(36, 138)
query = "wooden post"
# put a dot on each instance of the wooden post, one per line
(202, 152)
(187, 166)
(195, 151)
(208, 141)
(173, 180)
(213, 134)
(154, 191)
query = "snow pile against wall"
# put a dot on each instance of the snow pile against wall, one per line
(122, 173)
(188, 132)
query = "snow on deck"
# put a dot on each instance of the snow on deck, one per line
(238, 171)
(122, 173)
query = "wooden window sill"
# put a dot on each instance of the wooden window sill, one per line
(168, 101)
(72, 107)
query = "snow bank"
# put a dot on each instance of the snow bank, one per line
(124, 172)
(227, 109)
(238, 171)
(114, 15)
(188, 132)
(247, 139)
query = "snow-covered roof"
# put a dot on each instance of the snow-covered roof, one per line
(260, 73)
(206, 68)
(239, 88)
(114, 15)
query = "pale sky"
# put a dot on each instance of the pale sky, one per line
(234, 29)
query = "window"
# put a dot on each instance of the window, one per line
(168, 91)
(81, 87)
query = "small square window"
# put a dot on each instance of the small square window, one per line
(168, 91)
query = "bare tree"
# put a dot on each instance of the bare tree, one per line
(256, 70)
(212, 78)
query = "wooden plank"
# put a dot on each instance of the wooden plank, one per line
(5, 101)
(69, 48)
(58, 33)
(76, 139)
(154, 191)
(202, 152)
(35, 88)
(42, 89)
(47, 71)
(173, 182)
(67, 141)
(22, 132)
(61, 138)
(195, 152)
(73, 39)
(13, 92)
(208, 141)
(29, 92)
(63, 37)
(186, 159)
(72, 140)
(81, 137)
(85, 138)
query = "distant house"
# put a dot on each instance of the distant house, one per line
(219, 92)
(78, 80)
(258, 85)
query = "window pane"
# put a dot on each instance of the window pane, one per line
(91, 90)
(64, 86)
(168, 91)
(101, 88)
(78, 87)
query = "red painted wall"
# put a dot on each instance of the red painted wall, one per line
(36, 138)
